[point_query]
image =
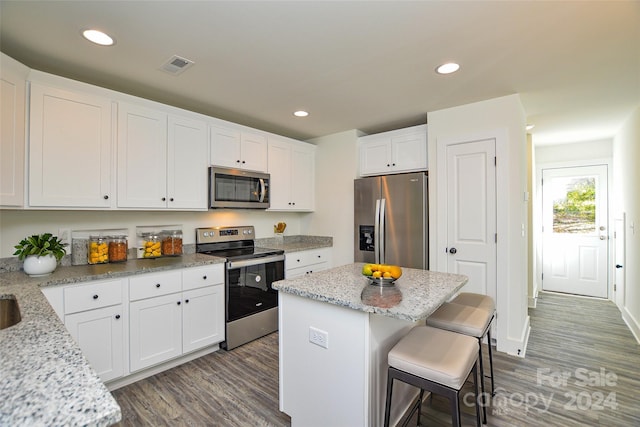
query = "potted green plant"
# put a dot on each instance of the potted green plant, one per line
(41, 253)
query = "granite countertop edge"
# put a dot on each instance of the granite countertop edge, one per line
(43, 372)
(420, 292)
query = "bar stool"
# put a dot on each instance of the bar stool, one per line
(486, 303)
(466, 320)
(435, 360)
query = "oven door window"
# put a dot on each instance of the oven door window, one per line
(249, 289)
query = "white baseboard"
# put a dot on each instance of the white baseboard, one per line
(516, 347)
(137, 376)
(632, 323)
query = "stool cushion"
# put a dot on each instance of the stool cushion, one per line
(436, 355)
(475, 300)
(460, 318)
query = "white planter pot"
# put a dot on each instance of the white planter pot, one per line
(36, 266)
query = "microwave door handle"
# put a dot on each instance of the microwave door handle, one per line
(263, 190)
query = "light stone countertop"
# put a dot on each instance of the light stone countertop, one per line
(413, 297)
(295, 243)
(44, 378)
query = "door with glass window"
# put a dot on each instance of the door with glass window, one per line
(575, 235)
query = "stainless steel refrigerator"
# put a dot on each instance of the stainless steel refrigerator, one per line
(391, 220)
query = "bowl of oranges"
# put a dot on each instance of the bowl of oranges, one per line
(381, 274)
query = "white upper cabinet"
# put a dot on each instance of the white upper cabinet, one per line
(69, 149)
(292, 170)
(187, 164)
(161, 160)
(13, 77)
(233, 148)
(403, 150)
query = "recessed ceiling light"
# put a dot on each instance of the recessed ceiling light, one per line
(448, 68)
(98, 37)
(529, 127)
(300, 113)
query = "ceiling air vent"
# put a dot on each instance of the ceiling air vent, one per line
(176, 65)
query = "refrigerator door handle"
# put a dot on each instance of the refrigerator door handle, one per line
(376, 234)
(382, 232)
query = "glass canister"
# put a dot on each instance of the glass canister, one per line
(150, 245)
(118, 248)
(98, 251)
(171, 242)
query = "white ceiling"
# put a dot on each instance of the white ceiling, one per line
(365, 65)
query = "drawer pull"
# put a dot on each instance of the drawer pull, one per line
(179, 303)
(186, 301)
(95, 297)
(157, 285)
(204, 277)
(117, 316)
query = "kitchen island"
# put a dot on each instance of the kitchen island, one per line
(335, 332)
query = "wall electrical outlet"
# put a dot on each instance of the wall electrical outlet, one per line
(318, 337)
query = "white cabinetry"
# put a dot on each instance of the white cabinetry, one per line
(292, 170)
(175, 312)
(95, 316)
(69, 149)
(161, 160)
(306, 262)
(13, 94)
(233, 148)
(403, 150)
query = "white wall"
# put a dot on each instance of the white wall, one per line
(336, 168)
(500, 116)
(589, 150)
(15, 225)
(626, 177)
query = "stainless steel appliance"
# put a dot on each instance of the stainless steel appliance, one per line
(251, 308)
(391, 220)
(236, 188)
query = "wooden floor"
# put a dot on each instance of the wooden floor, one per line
(582, 368)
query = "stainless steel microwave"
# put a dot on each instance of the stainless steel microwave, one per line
(236, 188)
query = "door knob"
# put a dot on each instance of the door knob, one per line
(453, 251)
(618, 266)
(602, 237)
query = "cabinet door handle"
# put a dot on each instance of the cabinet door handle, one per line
(186, 301)
(238, 161)
(95, 297)
(171, 199)
(243, 162)
(117, 316)
(204, 277)
(157, 285)
(164, 199)
(179, 303)
(106, 197)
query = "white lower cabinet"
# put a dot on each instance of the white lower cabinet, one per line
(100, 335)
(306, 262)
(155, 330)
(166, 315)
(95, 316)
(166, 326)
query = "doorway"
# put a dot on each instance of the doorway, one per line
(575, 218)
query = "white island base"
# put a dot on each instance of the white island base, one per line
(345, 383)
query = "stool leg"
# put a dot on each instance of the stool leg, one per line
(493, 390)
(420, 405)
(484, 403)
(387, 407)
(476, 390)
(455, 410)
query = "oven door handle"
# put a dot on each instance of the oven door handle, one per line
(254, 261)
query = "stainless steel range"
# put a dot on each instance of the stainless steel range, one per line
(251, 303)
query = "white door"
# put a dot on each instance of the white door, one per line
(619, 287)
(574, 230)
(471, 214)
